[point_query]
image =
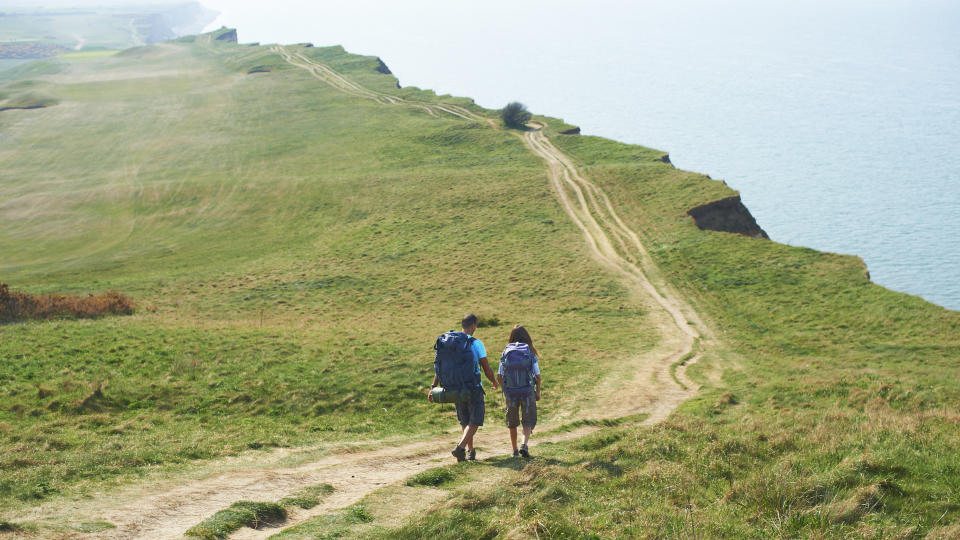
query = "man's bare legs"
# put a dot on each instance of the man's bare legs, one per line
(467, 440)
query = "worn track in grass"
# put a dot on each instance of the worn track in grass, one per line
(170, 508)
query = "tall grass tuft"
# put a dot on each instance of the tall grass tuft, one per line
(17, 306)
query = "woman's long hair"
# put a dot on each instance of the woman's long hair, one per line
(519, 334)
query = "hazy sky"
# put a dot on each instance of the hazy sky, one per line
(416, 36)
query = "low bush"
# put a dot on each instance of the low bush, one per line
(487, 322)
(16, 306)
(515, 115)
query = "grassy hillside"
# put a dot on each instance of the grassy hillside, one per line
(293, 252)
(836, 417)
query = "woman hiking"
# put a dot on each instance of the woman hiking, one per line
(519, 377)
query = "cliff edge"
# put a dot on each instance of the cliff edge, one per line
(727, 215)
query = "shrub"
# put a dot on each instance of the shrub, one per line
(15, 306)
(515, 115)
(487, 322)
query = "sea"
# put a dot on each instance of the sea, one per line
(838, 121)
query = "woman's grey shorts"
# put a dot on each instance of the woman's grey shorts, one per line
(527, 407)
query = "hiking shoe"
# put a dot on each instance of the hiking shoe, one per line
(524, 451)
(516, 453)
(472, 455)
(459, 453)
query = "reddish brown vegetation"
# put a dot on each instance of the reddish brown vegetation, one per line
(15, 306)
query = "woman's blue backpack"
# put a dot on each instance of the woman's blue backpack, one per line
(518, 377)
(455, 366)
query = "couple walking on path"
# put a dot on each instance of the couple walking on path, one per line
(459, 359)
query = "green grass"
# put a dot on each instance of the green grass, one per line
(334, 525)
(87, 56)
(254, 514)
(27, 100)
(240, 514)
(431, 477)
(835, 415)
(293, 252)
(307, 497)
(606, 422)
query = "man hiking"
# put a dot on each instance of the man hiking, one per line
(457, 367)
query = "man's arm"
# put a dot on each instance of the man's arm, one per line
(489, 372)
(432, 385)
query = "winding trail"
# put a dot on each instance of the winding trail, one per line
(334, 79)
(167, 510)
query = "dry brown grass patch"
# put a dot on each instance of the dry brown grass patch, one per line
(18, 306)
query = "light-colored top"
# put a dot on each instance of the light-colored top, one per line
(536, 367)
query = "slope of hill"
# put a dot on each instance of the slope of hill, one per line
(294, 251)
(297, 229)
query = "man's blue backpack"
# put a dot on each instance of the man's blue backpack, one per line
(454, 365)
(518, 377)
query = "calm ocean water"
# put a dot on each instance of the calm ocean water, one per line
(838, 121)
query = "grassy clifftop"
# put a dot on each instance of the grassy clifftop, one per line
(295, 248)
(835, 416)
(293, 252)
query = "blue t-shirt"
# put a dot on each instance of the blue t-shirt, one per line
(479, 351)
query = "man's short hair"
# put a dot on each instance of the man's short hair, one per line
(468, 321)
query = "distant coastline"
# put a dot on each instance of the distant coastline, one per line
(34, 32)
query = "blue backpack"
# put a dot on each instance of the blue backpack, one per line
(454, 363)
(518, 377)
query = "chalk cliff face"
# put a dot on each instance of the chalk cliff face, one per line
(727, 215)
